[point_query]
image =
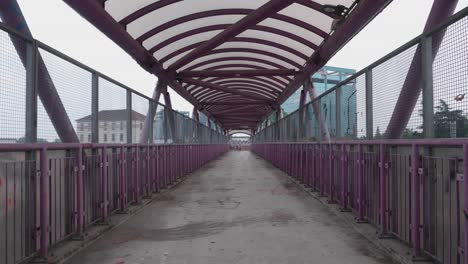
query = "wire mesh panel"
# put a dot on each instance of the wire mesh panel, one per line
(388, 79)
(140, 106)
(450, 82)
(12, 88)
(112, 114)
(328, 112)
(71, 83)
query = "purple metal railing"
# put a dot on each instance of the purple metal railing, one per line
(410, 190)
(64, 188)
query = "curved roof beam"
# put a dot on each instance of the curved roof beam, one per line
(146, 10)
(234, 58)
(209, 28)
(217, 80)
(223, 12)
(261, 91)
(252, 88)
(254, 51)
(251, 81)
(223, 89)
(238, 39)
(259, 73)
(240, 65)
(262, 81)
(213, 95)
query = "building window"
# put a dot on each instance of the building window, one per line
(113, 126)
(105, 126)
(89, 137)
(121, 125)
(105, 137)
(121, 137)
(113, 137)
(81, 126)
(141, 126)
(81, 137)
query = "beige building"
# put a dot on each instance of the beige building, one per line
(112, 126)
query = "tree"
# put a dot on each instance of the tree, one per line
(449, 123)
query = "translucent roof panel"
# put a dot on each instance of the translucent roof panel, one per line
(215, 51)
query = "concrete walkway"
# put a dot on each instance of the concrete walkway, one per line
(237, 209)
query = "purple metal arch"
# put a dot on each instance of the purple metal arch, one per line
(238, 39)
(258, 80)
(269, 82)
(224, 12)
(200, 89)
(224, 89)
(234, 58)
(211, 96)
(239, 73)
(206, 92)
(190, 33)
(255, 51)
(252, 82)
(146, 10)
(224, 103)
(248, 82)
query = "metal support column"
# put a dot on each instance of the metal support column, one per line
(338, 95)
(129, 117)
(148, 124)
(369, 108)
(427, 87)
(324, 133)
(94, 108)
(31, 93)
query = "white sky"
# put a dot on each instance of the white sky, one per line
(54, 23)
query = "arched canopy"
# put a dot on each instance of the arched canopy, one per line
(243, 57)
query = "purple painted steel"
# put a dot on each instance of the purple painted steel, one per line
(440, 11)
(465, 200)
(234, 58)
(237, 73)
(11, 14)
(238, 39)
(260, 14)
(104, 178)
(383, 168)
(224, 89)
(415, 203)
(362, 14)
(80, 192)
(146, 10)
(44, 202)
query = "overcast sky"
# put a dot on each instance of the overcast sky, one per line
(54, 23)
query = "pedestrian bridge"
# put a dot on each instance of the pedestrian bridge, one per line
(371, 170)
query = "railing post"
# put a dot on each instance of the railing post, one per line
(44, 202)
(31, 93)
(344, 179)
(123, 192)
(383, 169)
(415, 203)
(104, 189)
(80, 193)
(321, 172)
(331, 173)
(361, 190)
(148, 171)
(136, 173)
(129, 117)
(465, 200)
